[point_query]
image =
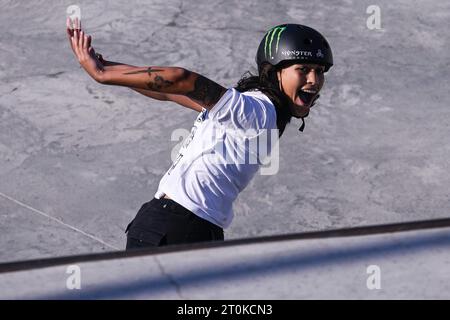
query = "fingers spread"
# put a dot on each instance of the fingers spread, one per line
(80, 39)
(69, 28)
(85, 41)
(69, 33)
(75, 43)
(77, 24)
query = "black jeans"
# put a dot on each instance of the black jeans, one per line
(164, 222)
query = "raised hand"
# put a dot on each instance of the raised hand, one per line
(83, 50)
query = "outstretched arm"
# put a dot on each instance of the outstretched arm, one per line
(179, 99)
(166, 80)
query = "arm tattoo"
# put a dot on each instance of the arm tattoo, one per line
(206, 91)
(149, 71)
(159, 81)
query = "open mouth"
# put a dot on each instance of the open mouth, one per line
(307, 96)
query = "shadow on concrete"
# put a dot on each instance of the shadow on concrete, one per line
(271, 265)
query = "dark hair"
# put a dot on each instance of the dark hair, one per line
(267, 83)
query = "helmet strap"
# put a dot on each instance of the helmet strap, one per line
(280, 81)
(302, 126)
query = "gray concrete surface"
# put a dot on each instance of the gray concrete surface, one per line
(374, 151)
(412, 265)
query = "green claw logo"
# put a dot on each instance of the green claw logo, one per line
(271, 34)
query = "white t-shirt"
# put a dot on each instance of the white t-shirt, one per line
(213, 165)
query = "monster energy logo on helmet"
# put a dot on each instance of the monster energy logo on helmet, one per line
(288, 42)
(272, 32)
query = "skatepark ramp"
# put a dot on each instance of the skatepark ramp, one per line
(395, 261)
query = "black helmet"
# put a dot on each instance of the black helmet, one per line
(294, 42)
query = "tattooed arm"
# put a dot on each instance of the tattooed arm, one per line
(179, 99)
(168, 80)
(200, 91)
